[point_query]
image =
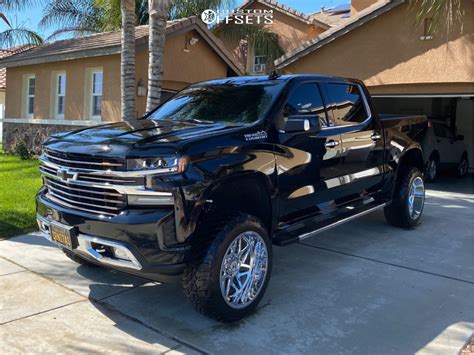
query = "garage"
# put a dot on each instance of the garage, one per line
(456, 111)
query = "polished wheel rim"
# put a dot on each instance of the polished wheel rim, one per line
(432, 169)
(416, 198)
(463, 167)
(243, 269)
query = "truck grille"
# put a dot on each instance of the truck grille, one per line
(96, 200)
(82, 161)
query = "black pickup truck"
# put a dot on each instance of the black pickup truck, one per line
(201, 188)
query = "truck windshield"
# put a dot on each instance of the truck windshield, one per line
(229, 102)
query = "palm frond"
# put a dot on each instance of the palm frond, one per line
(74, 30)
(69, 14)
(263, 41)
(186, 8)
(16, 5)
(4, 18)
(13, 37)
(444, 14)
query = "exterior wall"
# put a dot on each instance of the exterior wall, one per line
(180, 69)
(359, 5)
(388, 55)
(291, 33)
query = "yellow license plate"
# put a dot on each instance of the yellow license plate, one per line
(61, 235)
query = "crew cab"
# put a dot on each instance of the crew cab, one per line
(203, 187)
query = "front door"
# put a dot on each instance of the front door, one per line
(362, 140)
(307, 159)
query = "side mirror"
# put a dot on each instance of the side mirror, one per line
(459, 137)
(301, 123)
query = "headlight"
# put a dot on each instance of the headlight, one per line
(171, 164)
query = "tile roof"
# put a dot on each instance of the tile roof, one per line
(342, 29)
(288, 11)
(108, 43)
(332, 19)
(5, 53)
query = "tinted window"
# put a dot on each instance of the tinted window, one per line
(306, 99)
(346, 104)
(442, 131)
(231, 102)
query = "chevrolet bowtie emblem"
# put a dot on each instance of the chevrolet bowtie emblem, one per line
(65, 175)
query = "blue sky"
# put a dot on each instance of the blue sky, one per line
(30, 18)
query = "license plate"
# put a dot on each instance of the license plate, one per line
(62, 234)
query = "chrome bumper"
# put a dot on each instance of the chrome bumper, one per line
(123, 255)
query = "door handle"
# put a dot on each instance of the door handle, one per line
(331, 144)
(375, 137)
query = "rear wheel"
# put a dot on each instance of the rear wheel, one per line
(463, 166)
(229, 281)
(408, 199)
(431, 169)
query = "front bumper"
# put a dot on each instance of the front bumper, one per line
(137, 237)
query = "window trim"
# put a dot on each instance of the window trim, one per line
(57, 94)
(91, 94)
(364, 99)
(28, 96)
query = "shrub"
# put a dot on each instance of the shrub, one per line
(21, 149)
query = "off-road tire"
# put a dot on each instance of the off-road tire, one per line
(397, 213)
(201, 282)
(76, 258)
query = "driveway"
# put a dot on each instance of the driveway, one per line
(364, 287)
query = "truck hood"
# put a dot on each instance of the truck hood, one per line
(123, 136)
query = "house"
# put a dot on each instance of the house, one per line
(76, 82)
(407, 68)
(291, 27)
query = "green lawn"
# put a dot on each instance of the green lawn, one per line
(19, 182)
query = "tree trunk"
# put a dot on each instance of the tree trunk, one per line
(127, 64)
(158, 10)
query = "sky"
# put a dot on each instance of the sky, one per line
(30, 18)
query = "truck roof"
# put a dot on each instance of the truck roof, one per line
(263, 78)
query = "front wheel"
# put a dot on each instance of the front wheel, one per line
(229, 281)
(408, 199)
(431, 171)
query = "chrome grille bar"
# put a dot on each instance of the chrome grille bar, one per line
(72, 161)
(81, 203)
(89, 210)
(61, 185)
(56, 190)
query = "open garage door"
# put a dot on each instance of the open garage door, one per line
(457, 111)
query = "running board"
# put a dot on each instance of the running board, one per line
(294, 237)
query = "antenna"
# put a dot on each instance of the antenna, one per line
(274, 75)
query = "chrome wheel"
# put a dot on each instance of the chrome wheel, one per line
(243, 269)
(416, 198)
(462, 168)
(432, 169)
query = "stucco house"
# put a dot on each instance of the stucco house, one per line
(76, 82)
(407, 69)
(291, 27)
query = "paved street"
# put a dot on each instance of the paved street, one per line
(364, 287)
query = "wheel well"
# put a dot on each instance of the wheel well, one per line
(413, 157)
(249, 195)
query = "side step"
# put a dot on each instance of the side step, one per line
(311, 228)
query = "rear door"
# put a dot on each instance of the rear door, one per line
(361, 137)
(305, 160)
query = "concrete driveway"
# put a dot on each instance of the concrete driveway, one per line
(364, 287)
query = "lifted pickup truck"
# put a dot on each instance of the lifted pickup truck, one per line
(202, 187)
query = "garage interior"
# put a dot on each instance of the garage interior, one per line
(455, 110)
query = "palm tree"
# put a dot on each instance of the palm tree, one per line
(158, 16)
(18, 35)
(442, 13)
(127, 64)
